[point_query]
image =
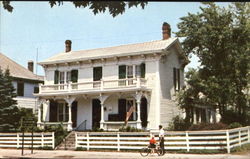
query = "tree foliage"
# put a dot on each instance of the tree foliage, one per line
(8, 108)
(114, 7)
(220, 37)
(10, 114)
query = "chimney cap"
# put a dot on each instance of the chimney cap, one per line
(68, 42)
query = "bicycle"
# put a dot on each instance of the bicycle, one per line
(145, 151)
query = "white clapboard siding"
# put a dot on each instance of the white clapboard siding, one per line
(25, 102)
(174, 140)
(14, 140)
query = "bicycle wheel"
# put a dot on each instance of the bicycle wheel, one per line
(159, 152)
(144, 152)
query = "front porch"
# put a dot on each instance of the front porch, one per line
(106, 111)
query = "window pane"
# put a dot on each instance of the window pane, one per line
(36, 89)
(61, 77)
(130, 71)
(74, 76)
(60, 111)
(68, 76)
(138, 71)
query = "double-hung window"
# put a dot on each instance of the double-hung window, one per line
(63, 112)
(130, 71)
(64, 77)
(176, 78)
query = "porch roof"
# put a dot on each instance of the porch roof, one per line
(91, 92)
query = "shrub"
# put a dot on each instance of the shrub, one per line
(208, 126)
(178, 124)
(80, 149)
(60, 132)
(230, 116)
(130, 129)
(234, 125)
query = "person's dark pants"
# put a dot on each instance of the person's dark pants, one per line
(162, 145)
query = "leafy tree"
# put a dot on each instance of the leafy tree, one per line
(114, 7)
(220, 37)
(8, 109)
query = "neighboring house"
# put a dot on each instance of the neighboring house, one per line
(97, 87)
(24, 81)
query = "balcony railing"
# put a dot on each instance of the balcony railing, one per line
(94, 85)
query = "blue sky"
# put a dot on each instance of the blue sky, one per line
(35, 26)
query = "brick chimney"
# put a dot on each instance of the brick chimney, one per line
(166, 31)
(68, 45)
(31, 65)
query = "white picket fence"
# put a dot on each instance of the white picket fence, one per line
(174, 140)
(14, 140)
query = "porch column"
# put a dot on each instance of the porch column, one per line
(39, 104)
(194, 116)
(148, 97)
(138, 103)
(102, 99)
(199, 119)
(69, 100)
(207, 115)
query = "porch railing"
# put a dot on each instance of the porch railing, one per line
(94, 85)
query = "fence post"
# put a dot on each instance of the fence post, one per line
(239, 137)
(87, 140)
(76, 144)
(53, 140)
(187, 141)
(118, 141)
(42, 139)
(228, 142)
(248, 133)
(17, 140)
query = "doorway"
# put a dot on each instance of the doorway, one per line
(96, 113)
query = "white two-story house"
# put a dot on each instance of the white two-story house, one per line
(24, 81)
(97, 87)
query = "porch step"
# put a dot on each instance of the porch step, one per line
(68, 142)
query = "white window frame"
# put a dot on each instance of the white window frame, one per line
(64, 111)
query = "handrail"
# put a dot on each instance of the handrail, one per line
(102, 84)
(82, 126)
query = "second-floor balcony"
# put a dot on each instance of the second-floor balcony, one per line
(101, 85)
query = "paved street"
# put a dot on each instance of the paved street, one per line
(10, 153)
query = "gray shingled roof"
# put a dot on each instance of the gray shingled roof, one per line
(17, 70)
(122, 50)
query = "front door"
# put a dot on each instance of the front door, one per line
(96, 113)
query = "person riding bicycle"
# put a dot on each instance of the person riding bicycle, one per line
(152, 144)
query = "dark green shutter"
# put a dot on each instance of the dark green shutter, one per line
(122, 109)
(74, 76)
(122, 71)
(174, 78)
(143, 70)
(56, 77)
(97, 73)
(178, 79)
(53, 111)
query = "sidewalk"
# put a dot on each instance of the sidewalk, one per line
(12, 153)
